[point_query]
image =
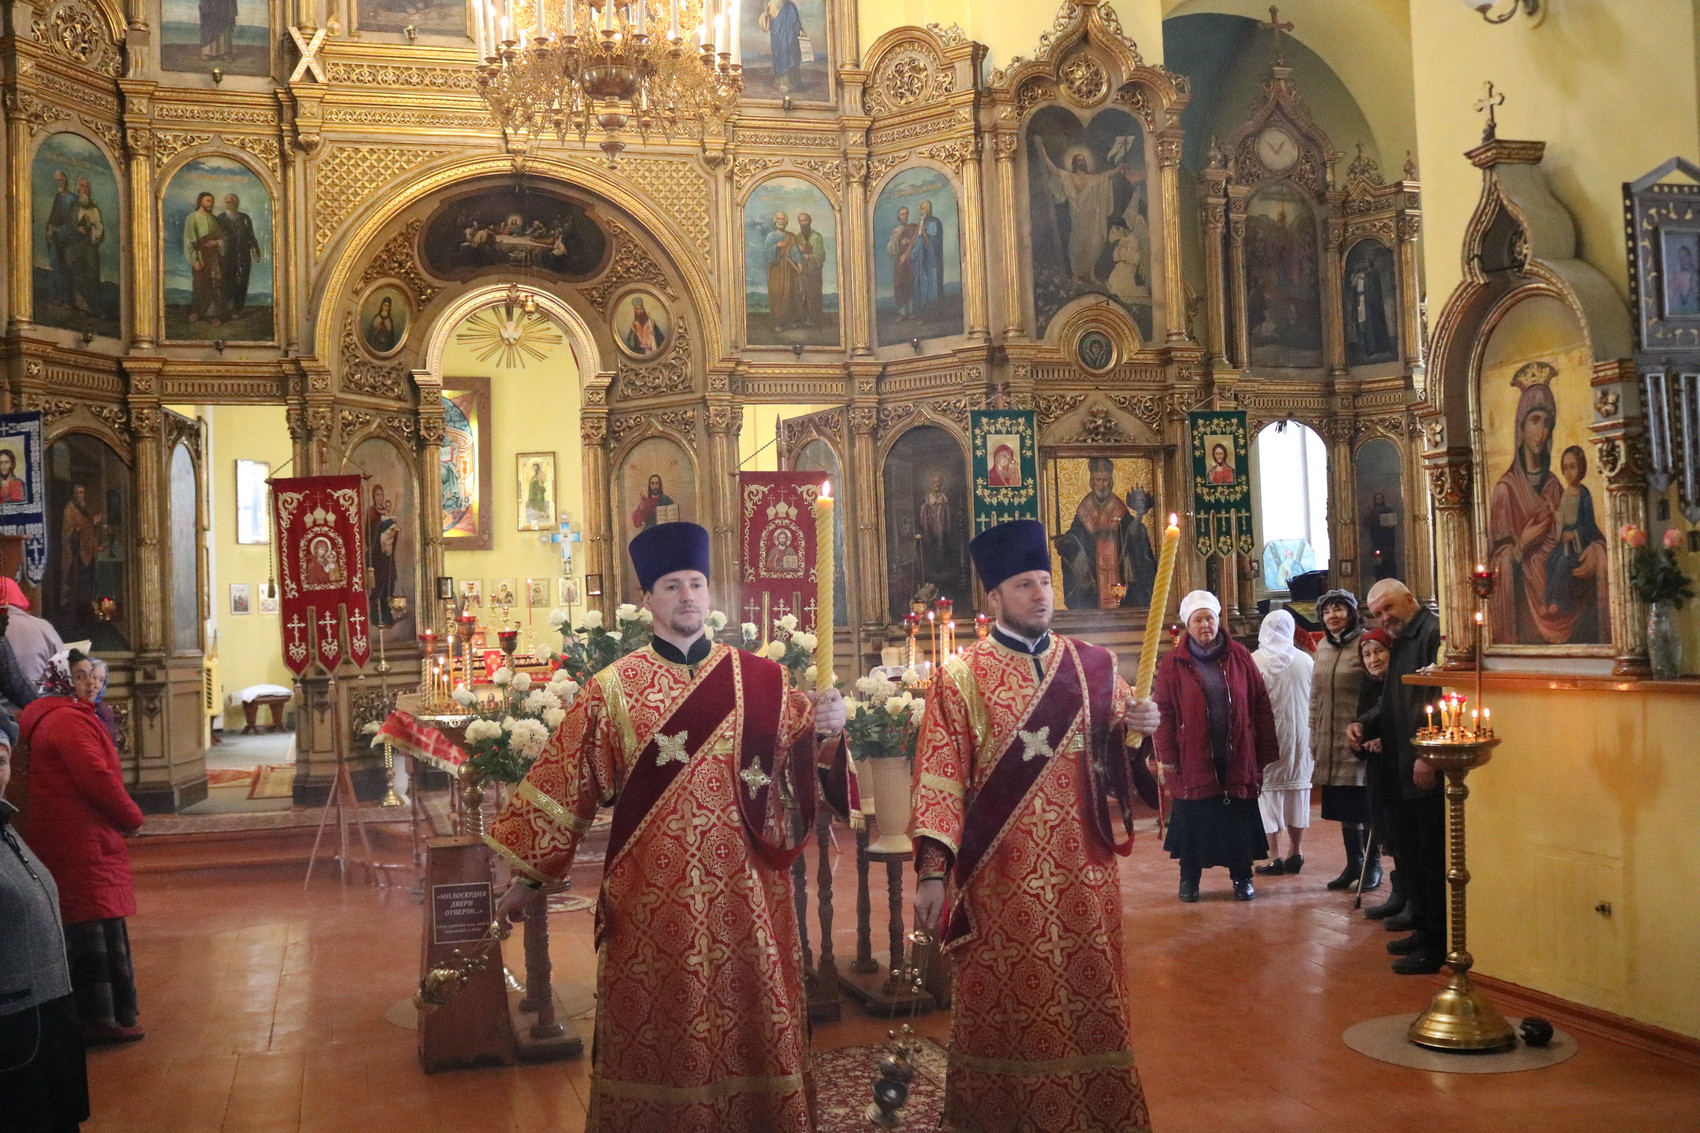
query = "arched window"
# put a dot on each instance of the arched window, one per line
(1290, 484)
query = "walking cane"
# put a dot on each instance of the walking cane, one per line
(1363, 867)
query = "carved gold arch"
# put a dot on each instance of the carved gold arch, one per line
(360, 241)
(581, 339)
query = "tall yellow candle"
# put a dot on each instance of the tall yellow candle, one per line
(1154, 616)
(824, 563)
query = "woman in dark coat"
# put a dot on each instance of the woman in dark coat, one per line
(1216, 736)
(43, 1077)
(1334, 703)
(78, 816)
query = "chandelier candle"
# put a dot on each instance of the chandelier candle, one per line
(824, 581)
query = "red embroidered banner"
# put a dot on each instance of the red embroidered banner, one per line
(321, 570)
(777, 528)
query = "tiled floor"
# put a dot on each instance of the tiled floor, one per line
(265, 1010)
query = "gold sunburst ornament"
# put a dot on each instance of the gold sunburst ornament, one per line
(509, 334)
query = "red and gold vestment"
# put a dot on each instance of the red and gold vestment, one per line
(701, 1024)
(1039, 1039)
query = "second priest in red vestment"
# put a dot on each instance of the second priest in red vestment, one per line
(1019, 764)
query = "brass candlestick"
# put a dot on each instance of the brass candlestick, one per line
(1459, 1017)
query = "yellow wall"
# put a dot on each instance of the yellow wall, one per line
(1599, 810)
(533, 408)
(249, 645)
(1611, 89)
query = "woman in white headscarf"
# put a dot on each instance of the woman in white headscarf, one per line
(1285, 800)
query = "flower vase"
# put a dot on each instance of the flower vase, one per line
(1664, 644)
(890, 782)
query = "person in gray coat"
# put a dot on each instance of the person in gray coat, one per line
(43, 1075)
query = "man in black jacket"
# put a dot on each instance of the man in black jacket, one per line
(1419, 814)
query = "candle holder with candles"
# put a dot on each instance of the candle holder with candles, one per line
(1459, 1017)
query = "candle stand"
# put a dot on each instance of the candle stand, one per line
(1459, 1017)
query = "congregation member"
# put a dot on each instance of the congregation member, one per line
(1217, 733)
(1285, 800)
(1340, 771)
(709, 760)
(1381, 779)
(32, 641)
(1018, 732)
(78, 815)
(43, 1074)
(1418, 812)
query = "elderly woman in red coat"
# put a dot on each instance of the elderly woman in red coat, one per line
(78, 817)
(1217, 734)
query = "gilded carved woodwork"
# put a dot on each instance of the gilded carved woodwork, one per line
(398, 259)
(79, 33)
(348, 174)
(365, 375)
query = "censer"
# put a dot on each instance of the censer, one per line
(443, 983)
(897, 1070)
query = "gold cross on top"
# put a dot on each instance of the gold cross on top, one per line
(1489, 101)
(670, 749)
(1035, 744)
(1275, 24)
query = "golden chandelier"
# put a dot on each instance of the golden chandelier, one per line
(571, 66)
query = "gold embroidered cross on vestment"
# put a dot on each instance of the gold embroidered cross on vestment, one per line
(670, 749)
(1035, 744)
(755, 778)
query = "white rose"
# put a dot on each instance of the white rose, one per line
(482, 730)
(370, 729)
(895, 706)
(749, 630)
(715, 620)
(463, 696)
(592, 619)
(852, 707)
(911, 677)
(522, 682)
(645, 616)
(774, 651)
(810, 673)
(557, 618)
(508, 723)
(787, 623)
(504, 676)
(625, 612)
(553, 717)
(615, 634)
(529, 736)
(806, 641)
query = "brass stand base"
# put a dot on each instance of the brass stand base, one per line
(1459, 1017)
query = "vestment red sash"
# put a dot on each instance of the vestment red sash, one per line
(1054, 710)
(740, 682)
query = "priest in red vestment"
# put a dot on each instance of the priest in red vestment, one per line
(1020, 762)
(709, 760)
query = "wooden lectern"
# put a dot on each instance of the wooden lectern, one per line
(472, 1028)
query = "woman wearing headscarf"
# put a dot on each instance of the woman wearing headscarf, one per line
(1381, 774)
(78, 817)
(43, 1076)
(1285, 801)
(1334, 696)
(1216, 735)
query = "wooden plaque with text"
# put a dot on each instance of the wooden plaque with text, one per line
(472, 1029)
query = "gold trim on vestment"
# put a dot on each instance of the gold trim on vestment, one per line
(1079, 1063)
(949, 786)
(948, 843)
(615, 698)
(514, 860)
(958, 673)
(551, 809)
(684, 1095)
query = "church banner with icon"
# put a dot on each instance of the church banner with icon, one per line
(321, 571)
(1221, 483)
(1006, 465)
(776, 522)
(23, 488)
